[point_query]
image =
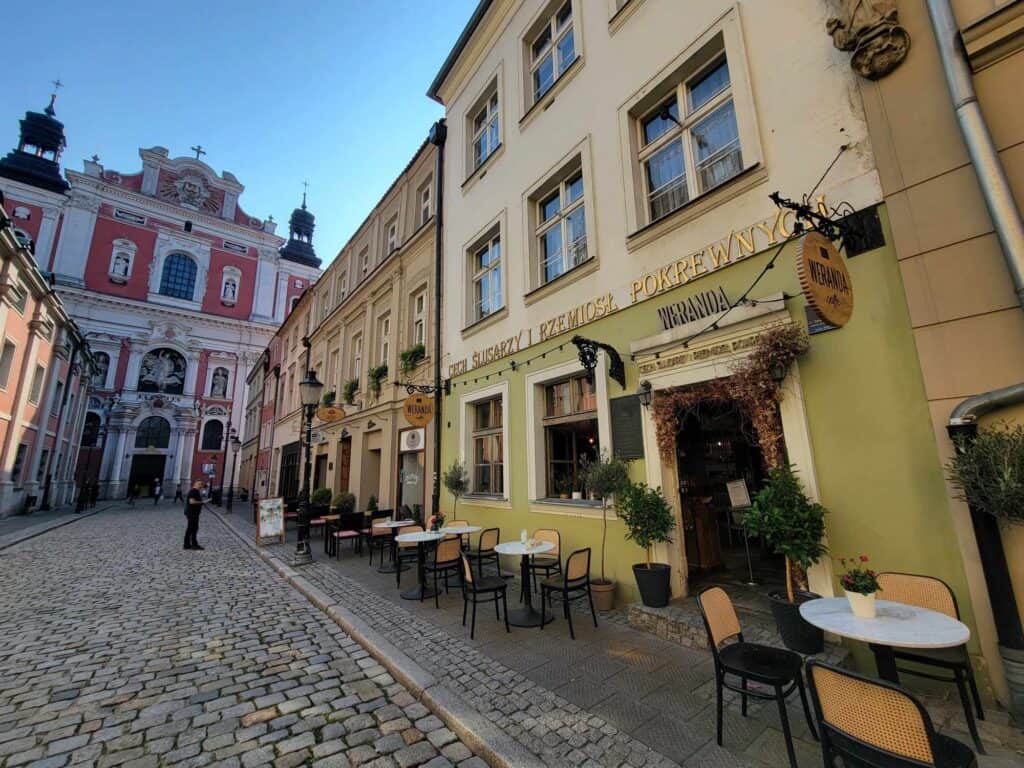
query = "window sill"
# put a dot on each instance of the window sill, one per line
(553, 286)
(481, 170)
(170, 301)
(119, 279)
(485, 322)
(487, 500)
(545, 101)
(569, 508)
(745, 180)
(228, 302)
(622, 15)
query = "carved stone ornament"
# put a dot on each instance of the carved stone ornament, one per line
(871, 29)
(189, 190)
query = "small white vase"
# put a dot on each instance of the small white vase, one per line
(863, 606)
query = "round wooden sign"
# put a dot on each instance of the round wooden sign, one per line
(823, 277)
(419, 410)
(330, 413)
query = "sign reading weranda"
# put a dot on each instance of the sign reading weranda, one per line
(739, 244)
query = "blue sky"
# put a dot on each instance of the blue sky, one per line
(332, 92)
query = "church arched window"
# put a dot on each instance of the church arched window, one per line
(153, 432)
(162, 370)
(213, 433)
(178, 278)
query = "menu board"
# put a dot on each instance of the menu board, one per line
(739, 496)
(270, 521)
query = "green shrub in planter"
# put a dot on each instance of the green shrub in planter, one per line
(328, 398)
(344, 503)
(348, 391)
(456, 480)
(649, 521)
(989, 472)
(321, 497)
(410, 358)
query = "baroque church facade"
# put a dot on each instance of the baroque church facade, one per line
(177, 291)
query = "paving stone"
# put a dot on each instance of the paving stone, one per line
(415, 754)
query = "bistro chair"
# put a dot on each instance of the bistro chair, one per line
(869, 722)
(774, 668)
(329, 524)
(447, 560)
(464, 538)
(934, 594)
(376, 536)
(345, 528)
(482, 589)
(549, 562)
(485, 550)
(573, 585)
(406, 551)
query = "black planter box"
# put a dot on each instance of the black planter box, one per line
(654, 583)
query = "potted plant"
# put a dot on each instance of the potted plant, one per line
(348, 391)
(410, 358)
(860, 584)
(563, 485)
(604, 477)
(793, 526)
(328, 398)
(319, 500)
(375, 376)
(343, 503)
(456, 480)
(649, 521)
(371, 505)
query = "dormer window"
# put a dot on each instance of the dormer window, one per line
(122, 260)
(229, 287)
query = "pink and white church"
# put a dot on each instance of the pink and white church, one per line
(176, 288)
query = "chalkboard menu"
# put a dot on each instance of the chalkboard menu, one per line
(270, 522)
(627, 436)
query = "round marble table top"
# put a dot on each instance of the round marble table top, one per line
(897, 624)
(419, 537)
(394, 524)
(518, 548)
(460, 529)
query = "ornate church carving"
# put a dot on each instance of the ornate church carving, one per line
(871, 29)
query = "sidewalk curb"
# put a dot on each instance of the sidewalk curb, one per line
(38, 530)
(490, 743)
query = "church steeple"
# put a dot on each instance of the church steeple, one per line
(36, 161)
(299, 247)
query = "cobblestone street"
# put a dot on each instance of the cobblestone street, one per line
(119, 648)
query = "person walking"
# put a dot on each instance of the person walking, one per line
(193, 508)
(158, 491)
(178, 495)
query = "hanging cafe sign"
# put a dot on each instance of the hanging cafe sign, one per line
(739, 244)
(330, 413)
(418, 409)
(824, 279)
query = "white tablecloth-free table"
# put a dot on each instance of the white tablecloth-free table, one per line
(393, 525)
(527, 615)
(897, 625)
(419, 538)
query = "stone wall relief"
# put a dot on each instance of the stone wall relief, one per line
(871, 30)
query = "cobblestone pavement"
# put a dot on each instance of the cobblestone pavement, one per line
(120, 649)
(614, 696)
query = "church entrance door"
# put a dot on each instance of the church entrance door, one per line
(145, 468)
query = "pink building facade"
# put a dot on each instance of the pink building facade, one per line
(177, 290)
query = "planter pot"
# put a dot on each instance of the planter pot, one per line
(654, 583)
(863, 606)
(577, 495)
(797, 634)
(563, 495)
(603, 593)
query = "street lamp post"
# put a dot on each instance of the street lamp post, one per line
(309, 394)
(83, 487)
(235, 444)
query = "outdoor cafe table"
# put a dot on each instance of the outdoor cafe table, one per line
(394, 525)
(421, 590)
(897, 625)
(526, 616)
(459, 530)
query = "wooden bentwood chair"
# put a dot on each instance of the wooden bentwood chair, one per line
(482, 589)
(874, 723)
(485, 553)
(935, 594)
(447, 561)
(549, 562)
(774, 668)
(574, 584)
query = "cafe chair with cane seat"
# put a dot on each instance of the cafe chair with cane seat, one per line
(934, 594)
(869, 722)
(482, 589)
(574, 584)
(549, 562)
(406, 553)
(447, 561)
(771, 668)
(375, 536)
(485, 552)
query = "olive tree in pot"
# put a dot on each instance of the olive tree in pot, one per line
(793, 526)
(649, 521)
(604, 477)
(456, 480)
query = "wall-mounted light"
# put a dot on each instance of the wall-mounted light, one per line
(777, 372)
(644, 393)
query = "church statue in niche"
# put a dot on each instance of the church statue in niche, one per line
(101, 361)
(871, 29)
(120, 267)
(163, 370)
(219, 388)
(230, 289)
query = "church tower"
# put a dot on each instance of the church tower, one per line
(299, 247)
(36, 161)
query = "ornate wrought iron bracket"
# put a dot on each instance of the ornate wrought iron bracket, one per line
(835, 225)
(426, 389)
(588, 359)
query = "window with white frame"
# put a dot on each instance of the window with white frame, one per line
(6, 362)
(419, 317)
(19, 464)
(341, 287)
(552, 51)
(392, 237)
(334, 374)
(690, 142)
(231, 279)
(122, 259)
(178, 277)
(384, 338)
(561, 227)
(425, 195)
(364, 261)
(485, 126)
(37, 384)
(357, 356)
(488, 447)
(485, 267)
(570, 434)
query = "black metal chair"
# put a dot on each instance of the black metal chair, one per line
(874, 723)
(406, 553)
(345, 528)
(774, 668)
(379, 539)
(446, 561)
(485, 553)
(480, 589)
(934, 594)
(573, 585)
(550, 562)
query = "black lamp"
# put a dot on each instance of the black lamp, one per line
(644, 393)
(309, 395)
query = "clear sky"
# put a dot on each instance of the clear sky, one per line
(329, 91)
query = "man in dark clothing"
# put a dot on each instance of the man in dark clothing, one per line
(193, 508)
(177, 494)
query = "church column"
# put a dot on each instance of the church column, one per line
(282, 297)
(188, 445)
(263, 303)
(47, 231)
(191, 374)
(116, 463)
(77, 228)
(131, 375)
